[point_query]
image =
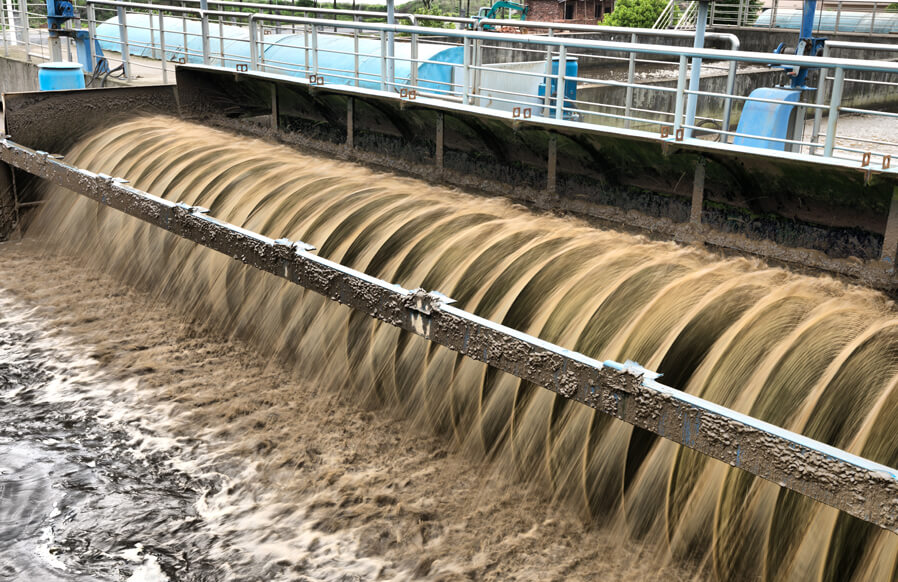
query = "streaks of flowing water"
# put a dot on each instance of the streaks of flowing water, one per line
(809, 354)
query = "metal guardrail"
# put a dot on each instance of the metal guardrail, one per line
(857, 486)
(834, 16)
(494, 63)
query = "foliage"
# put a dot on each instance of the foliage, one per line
(635, 13)
(434, 11)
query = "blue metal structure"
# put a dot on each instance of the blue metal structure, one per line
(775, 120)
(491, 12)
(808, 45)
(89, 53)
(764, 119)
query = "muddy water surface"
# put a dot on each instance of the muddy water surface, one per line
(137, 446)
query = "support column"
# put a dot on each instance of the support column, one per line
(551, 181)
(8, 207)
(698, 192)
(890, 240)
(439, 141)
(275, 114)
(350, 122)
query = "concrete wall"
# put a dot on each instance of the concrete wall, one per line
(764, 40)
(17, 76)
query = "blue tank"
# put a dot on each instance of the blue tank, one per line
(60, 76)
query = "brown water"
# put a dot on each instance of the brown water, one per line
(808, 354)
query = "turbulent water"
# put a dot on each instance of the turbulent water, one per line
(809, 354)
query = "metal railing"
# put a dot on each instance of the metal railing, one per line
(635, 85)
(834, 16)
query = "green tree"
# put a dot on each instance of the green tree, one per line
(434, 11)
(635, 13)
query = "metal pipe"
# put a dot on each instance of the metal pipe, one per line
(123, 37)
(559, 87)
(253, 47)
(631, 78)
(3, 29)
(391, 46)
(92, 33)
(466, 71)
(162, 48)
(681, 88)
(383, 61)
(834, 103)
(728, 102)
(204, 27)
(355, 55)
(818, 114)
(26, 33)
(695, 78)
(314, 50)
(547, 80)
(413, 73)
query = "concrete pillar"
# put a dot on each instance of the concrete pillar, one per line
(551, 181)
(698, 192)
(439, 141)
(275, 114)
(9, 215)
(890, 240)
(350, 123)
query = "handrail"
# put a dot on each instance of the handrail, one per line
(611, 46)
(556, 26)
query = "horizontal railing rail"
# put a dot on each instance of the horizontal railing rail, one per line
(510, 71)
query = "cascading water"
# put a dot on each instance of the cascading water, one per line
(810, 354)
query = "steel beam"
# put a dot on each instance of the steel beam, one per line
(857, 486)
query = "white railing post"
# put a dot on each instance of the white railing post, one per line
(413, 66)
(3, 30)
(355, 54)
(466, 70)
(204, 30)
(314, 50)
(383, 60)
(253, 44)
(547, 93)
(559, 89)
(123, 37)
(834, 103)
(681, 90)
(26, 33)
(92, 35)
(631, 79)
(818, 113)
(305, 43)
(162, 48)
